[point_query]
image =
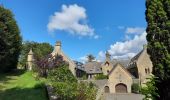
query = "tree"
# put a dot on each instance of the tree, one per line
(66, 86)
(48, 63)
(158, 37)
(90, 57)
(63, 81)
(40, 51)
(10, 40)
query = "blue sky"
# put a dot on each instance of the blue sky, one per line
(83, 26)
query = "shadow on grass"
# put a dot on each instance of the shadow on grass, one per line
(37, 93)
(4, 77)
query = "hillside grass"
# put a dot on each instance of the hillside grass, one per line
(21, 85)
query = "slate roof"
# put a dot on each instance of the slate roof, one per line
(123, 62)
(93, 67)
(133, 61)
(135, 58)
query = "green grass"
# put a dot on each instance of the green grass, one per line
(20, 85)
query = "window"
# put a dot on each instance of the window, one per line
(108, 71)
(146, 71)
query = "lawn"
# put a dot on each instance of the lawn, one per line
(21, 85)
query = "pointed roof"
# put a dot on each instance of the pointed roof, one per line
(30, 52)
(116, 65)
(135, 58)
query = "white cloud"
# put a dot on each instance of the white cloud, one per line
(129, 47)
(71, 19)
(83, 59)
(126, 49)
(101, 56)
(134, 30)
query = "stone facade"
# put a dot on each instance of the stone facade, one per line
(120, 80)
(141, 66)
(123, 73)
(107, 64)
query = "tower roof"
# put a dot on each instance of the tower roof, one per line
(58, 43)
(30, 52)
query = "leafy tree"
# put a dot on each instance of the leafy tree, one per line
(158, 37)
(90, 57)
(47, 63)
(63, 81)
(150, 90)
(65, 84)
(40, 51)
(10, 40)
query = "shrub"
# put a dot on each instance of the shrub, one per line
(135, 88)
(101, 76)
(66, 86)
(86, 91)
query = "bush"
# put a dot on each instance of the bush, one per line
(66, 86)
(86, 91)
(101, 76)
(135, 88)
(63, 81)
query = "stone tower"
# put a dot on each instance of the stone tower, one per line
(30, 60)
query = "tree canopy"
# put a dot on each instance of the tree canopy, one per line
(158, 37)
(40, 50)
(90, 57)
(10, 40)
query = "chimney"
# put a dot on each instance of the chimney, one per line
(108, 56)
(58, 46)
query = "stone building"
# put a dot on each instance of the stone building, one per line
(140, 66)
(92, 68)
(30, 60)
(121, 73)
(120, 80)
(58, 51)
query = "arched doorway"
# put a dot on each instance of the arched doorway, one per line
(121, 88)
(106, 89)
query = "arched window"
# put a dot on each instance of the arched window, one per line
(106, 89)
(146, 71)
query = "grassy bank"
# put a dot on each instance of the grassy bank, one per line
(20, 85)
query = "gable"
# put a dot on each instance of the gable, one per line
(119, 69)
